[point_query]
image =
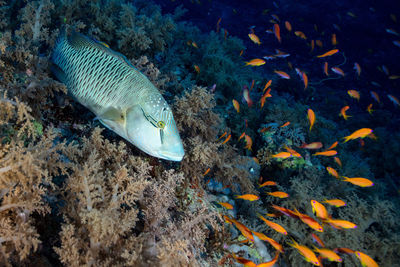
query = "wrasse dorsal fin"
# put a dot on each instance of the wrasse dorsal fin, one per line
(78, 41)
(113, 114)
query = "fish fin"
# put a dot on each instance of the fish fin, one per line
(113, 114)
(78, 41)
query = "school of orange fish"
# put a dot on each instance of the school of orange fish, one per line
(323, 218)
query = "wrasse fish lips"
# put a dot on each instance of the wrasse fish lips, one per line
(123, 99)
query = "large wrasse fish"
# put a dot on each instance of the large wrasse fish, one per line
(123, 99)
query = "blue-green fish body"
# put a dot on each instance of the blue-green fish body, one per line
(122, 97)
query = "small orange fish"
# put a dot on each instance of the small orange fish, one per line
(333, 39)
(341, 223)
(267, 183)
(226, 205)
(344, 250)
(254, 38)
(307, 253)
(312, 44)
(252, 84)
(305, 79)
(265, 96)
(246, 232)
(338, 161)
(394, 99)
(245, 262)
(277, 32)
(354, 94)
(226, 140)
(332, 172)
(357, 68)
(293, 152)
(255, 62)
(375, 96)
(314, 145)
(282, 74)
(319, 210)
(300, 34)
(343, 112)
(369, 109)
(249, 197)
(219, 21)
(236, 105)
(249, 142)
(268, 84)
(361, 133)
(326, 68)
(329, 53)
(311, 117)
(288, 26)
(335, 202)
(338, 70)
(242, 135)
(363, 182)
(273, 225)
(333, 145)
(272, 242)
(197, 68)
(318, 43)
(241, 53)
(246, 96)
(225, 133)
(328, 254)
(285, 211)
(285, 124)
(309, 221)
(282, 155)
(194, 45)
(278, 194)
(327, 153)
(317, 240)
(365, 260)
(206, 172)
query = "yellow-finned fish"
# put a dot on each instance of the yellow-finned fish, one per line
(123, 99)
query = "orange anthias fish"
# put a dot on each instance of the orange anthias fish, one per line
(375, 96)
(197, 68)
(343, 112)
(326, 153)
(267, 183)
(226, 205)
(332, 172)
(282, 155)
(282, 74)
(338, 70)
(338, 161)
(236, 105)
(309, 221)
(354, 94)
(206, 172)
(285, 211)
(285, 124)
(277, 32)
(328, 254)
(341, 223)
(363, 182)
(317, 240)
(288, 26)
(265, 96)
(369, 109)
(245, 262)
(300, 34)
(255, 62)
(333, 39)
(329, 53)
(357, 68)
(246, 96)
(254, 38)
(319, 210)
(394, 99)
(312, 44)
(333, 145)
(318, 43)
(305, 79)
(361, 133)
(226, 140)
(268, 84)
(249, 142)
(335, 202)
(311, 117)
(249, 197)
(326, 68)
(278, 194)
(307, 253)
(365, 260)
(314, 145)
(293, 152)
(272, 242)
(246, 232)
(273, 225)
